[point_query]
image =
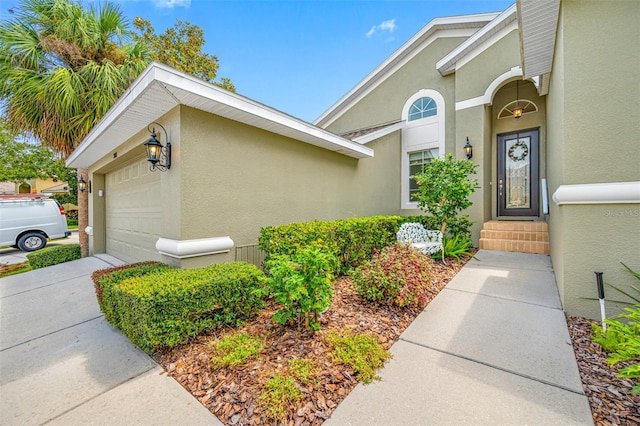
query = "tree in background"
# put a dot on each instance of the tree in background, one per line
(61, 68)
(181, 47)
(23, 161)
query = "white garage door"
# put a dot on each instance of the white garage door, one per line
(133, 212)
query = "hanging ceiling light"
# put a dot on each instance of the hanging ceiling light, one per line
(518, 110)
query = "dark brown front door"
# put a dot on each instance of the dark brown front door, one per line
(518, 174)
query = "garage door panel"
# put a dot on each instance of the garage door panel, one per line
(133, 212)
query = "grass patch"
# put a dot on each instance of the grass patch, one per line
(279, 393)
(15, 269)
(361, 352)
(304, 370)
(235, 349)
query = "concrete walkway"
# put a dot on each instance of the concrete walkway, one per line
(61, 363)
(491, 349)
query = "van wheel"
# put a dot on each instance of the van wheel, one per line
(32, 242)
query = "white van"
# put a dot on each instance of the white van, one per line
(27, 220)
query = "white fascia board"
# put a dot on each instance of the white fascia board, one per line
(411, 48)
(476, 43)
(135, 90)
(199, 92)
(248, 107)
(379, 133)
(598, 193)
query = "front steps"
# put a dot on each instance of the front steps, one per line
(518, 236)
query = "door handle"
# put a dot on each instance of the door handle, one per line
(500, 188)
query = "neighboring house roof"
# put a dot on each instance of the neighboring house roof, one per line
(62, 187)
(538, 21)
(161, 88)
(407, 51)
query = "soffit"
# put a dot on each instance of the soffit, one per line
(538, 22)
(407, 50)
(160, 88)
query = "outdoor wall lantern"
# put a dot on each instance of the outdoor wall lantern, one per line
(468, 149)
(518, 110)
(159, 156)
(82, 184)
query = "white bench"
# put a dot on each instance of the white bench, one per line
(428, 242)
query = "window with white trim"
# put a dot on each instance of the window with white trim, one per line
(422, 108)
(423, 138)
(417, 161)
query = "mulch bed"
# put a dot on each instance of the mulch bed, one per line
(610, 397)
(231, 394)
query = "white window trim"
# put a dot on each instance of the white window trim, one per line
(405, 204)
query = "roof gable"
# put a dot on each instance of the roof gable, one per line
(161, 88)
(467, 24)
(470, 46)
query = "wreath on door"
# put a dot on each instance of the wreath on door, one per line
(518, 151)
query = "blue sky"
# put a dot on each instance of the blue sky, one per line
(299, 56)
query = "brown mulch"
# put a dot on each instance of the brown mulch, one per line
(610, 397)
(231, 394)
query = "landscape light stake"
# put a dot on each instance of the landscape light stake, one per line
(601, 297)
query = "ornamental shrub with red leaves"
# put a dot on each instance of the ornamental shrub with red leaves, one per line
(399, 275)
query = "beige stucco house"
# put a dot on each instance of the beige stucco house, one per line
(563, 179)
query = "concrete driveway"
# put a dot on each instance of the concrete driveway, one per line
(62, 363)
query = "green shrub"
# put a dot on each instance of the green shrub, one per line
(72, 222)
(303, 284)
(361, 352)
(351, 241)
(457, 246)
(235, 349)
(444, 188)
(164, 307)
(622, 339)
(399, 275)
(53, 255)
(279, 392)
(106, 282)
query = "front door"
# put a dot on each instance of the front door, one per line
(518, 182)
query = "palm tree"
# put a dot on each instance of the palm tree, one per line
(61, 68)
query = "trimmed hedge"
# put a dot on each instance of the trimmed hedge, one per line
(352, 241)
(161, 306)
(49, 256)
(106, 282)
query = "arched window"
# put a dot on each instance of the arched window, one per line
(423, 138)
(422, 108)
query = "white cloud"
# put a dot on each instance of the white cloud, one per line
(170, 4)
(389, 25)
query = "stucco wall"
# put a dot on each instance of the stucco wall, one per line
(592, 137)
(237, 179)
(384, 104)
(601, 82)
(473, 78)
(597, 238)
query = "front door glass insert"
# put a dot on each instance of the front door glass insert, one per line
(518, 173)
